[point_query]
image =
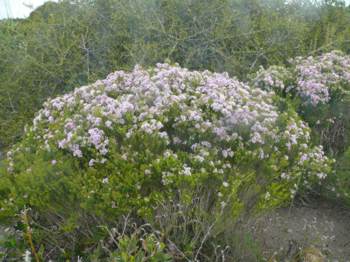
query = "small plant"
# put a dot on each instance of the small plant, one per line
(28, 236)
(140, 248)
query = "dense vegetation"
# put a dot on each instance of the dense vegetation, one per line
(165, 161)
(72, 43)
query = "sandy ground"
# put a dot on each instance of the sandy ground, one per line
(322, 225)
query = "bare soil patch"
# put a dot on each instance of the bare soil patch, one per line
(322, 225)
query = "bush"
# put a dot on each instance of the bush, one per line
(319, 87)
(134, 141)
(320, 90)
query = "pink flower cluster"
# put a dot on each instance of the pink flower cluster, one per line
(317, 76)
(147, 95)
(272, 78)
(313, 78)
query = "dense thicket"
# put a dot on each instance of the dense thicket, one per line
(71, 43)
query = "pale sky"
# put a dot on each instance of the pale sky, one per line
(19, 8)
(22, 8)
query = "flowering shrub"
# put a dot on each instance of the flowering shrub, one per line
(274, 78)
(314, 79)
(319, 77)
(125, 144)
(320, 88)
(322, 84)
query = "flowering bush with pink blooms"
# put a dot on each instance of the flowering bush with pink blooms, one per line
(315, 79)
(276, 78)
(318, 78)
(319, 87)
(126, 144)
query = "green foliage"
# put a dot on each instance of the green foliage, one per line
(151, 250)
(139, 248)
(339, 186)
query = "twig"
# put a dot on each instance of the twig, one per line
(28, 234)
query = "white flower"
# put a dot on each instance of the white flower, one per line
(285, 176)
(91, 162)
(27, 256)
(223, 204)
(108, 123)
(186, 171)
(321, 175)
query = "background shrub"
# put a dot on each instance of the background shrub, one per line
(319, 88)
